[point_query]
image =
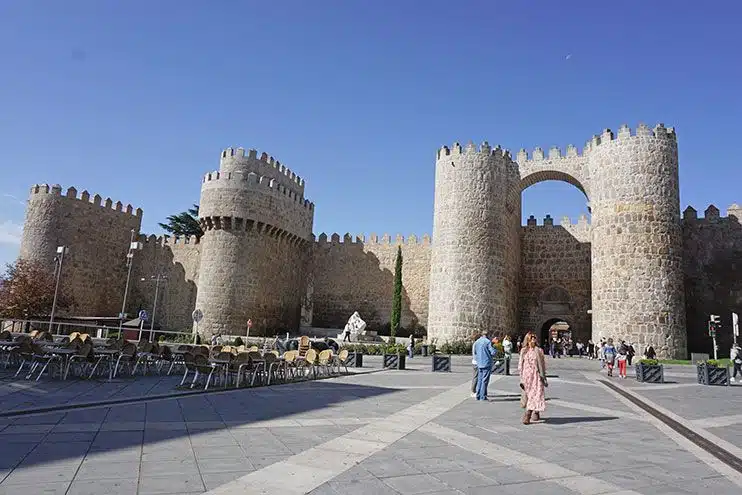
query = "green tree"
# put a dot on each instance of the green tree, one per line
(397, 300)
(27, 290)
(184, 224)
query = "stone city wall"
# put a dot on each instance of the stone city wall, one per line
(713, 274)
(97, 233)
(177, 260)
(357, 274)
(555, 276)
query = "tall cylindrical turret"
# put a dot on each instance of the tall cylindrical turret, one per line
(254, 252)
(474, 260)
(637, 272)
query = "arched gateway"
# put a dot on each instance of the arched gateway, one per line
(631, 183)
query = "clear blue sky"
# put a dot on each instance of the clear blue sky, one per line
(134, 100)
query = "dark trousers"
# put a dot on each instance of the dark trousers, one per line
(507, 365)
(347, 337)
(737, 369)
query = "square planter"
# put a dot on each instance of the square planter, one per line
(355, 360)
(394, 361)
(650, 373)
(712, 375)
(441, 363)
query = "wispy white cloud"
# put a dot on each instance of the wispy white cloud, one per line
(10, 232)
(569, 55)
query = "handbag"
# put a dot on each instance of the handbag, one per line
(523, 397)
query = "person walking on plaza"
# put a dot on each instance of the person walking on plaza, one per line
(630, 354)
(609, 355)
(475, 368)
(736, 357)
(601, 355)
(507, 347)
(411, 347)
(484, 353)
(622, 358)
(532, 368)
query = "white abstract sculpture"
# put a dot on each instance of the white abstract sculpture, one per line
(356, 326)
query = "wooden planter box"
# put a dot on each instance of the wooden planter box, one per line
(712, 375)
(355, 360)
(394, 361)
(650, 373)
(441, 363)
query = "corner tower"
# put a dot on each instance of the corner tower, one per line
(475, 259)
(637, 272)
(254, 252)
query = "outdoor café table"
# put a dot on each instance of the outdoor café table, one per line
(101, 354)
(65, 354)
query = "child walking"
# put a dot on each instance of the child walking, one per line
(609, 354)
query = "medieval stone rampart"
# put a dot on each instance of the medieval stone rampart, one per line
(637, 268)
(475, 260)
(555, 276)
(357, 274)
(97, 233)
(255, 248)
(177, 261)
(713, 274)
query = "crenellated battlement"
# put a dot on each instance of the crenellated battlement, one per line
(712, 214)
(252, 154)
(624, 133)
(264, 184)
(372, 240)
(37, 190)
(171, 241)
(566, 221)
(483, 148)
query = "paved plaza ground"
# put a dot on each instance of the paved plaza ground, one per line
(376, 432)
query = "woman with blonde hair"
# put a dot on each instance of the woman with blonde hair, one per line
(532, 368)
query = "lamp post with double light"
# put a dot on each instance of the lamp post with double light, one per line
(133, 246)
(157, 278)
(59, 260)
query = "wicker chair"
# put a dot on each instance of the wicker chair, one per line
(341, 359)
(325, 362)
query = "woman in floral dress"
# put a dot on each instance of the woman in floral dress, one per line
(532, 367)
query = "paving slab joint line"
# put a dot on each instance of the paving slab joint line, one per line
(303, 472)
(147, 398)
(706, 443)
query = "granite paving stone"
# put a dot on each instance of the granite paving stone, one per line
(590, 439)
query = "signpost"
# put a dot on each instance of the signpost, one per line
(249, 326)
(142, 318)
(197, 316)
(735, 326)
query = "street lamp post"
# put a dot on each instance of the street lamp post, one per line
(154, 305)
(133, 246)
(61, 251)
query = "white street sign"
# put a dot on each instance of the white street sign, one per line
(735, 324)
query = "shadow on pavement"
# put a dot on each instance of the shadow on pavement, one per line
(565, 420)
(110, 432)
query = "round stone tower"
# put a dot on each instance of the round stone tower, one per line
(475, 259)
(257, 229)
(637, 272)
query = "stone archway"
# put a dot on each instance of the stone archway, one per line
(553, 326)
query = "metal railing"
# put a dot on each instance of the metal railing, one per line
(61, 329)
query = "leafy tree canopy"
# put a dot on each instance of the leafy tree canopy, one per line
(27, 290)
(184, 223)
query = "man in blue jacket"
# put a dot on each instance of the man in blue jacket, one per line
(484, 353)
